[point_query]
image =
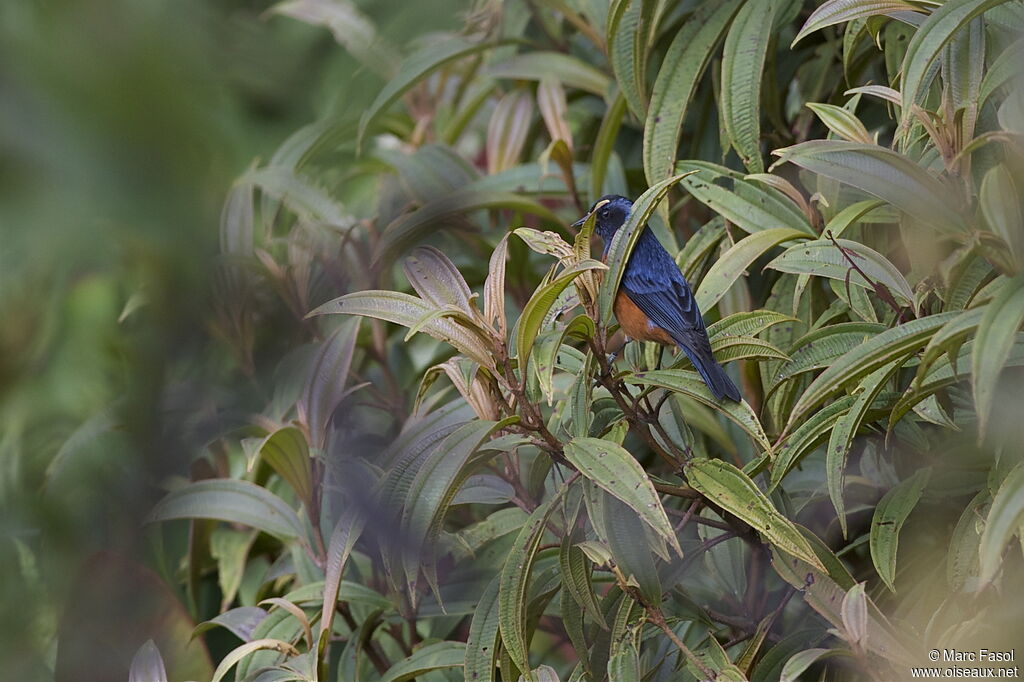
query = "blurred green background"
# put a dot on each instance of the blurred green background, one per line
(122, 126)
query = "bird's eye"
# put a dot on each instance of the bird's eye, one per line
(605, 213)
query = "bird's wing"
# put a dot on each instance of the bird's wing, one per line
(661, 292)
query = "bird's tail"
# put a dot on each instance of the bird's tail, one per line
(714, 376)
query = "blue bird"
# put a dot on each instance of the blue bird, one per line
(654, 301)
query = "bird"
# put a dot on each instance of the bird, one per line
(654, 301)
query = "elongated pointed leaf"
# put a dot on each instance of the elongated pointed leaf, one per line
(409, 311)
(750, 205)
(892, 344)
(822, 258)
(234, 501)
(536, 309)
(436, 656)
(743, 58)
(436, 279)
(351, 28)
(415, 226)
(538, 65)
(880, 172)
(685, 62)
(890, 514)
(515, 577)
(287, 453)
(842, 122)
(432, 492)
(844, 431)
(339, 548)
(750, 323)
(730, 488)
(328, 375)
(689, 383)
(627, 46)
(996, 333)
(482, 643)
(147, 665)
(616, 471)
(301, 194)
(728, 268)
(929, 39)
(1004, 519)
(839, 11)
(413, 69)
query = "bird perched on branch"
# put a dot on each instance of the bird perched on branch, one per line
(654, 301)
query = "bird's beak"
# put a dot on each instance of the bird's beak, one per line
(580, 222)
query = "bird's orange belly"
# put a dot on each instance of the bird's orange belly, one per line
(635, 323)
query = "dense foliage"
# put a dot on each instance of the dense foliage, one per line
(451, 477)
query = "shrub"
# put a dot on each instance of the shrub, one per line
(451, 474)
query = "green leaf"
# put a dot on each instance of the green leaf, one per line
(965, 543)
(681, 70)
(728, 268)
(882, 173)
(545, 673)
(350, 27)
(743, 58)
(576, 579)
(750, 205)
(845, 429)
(604, 144)
(236, 655)
(732, 490)
(732, 348)
(515, 576)
(612, 468)
(996, 335)
(343, 539)
(413, 69)
(842, 122)
(538, 65)
(299, 193)
(818, 348)
(890, 514)
(437, 482)
(1000, 204)
(147, 665)
(893, 344)
(436, 656)
(690, 383)
(1001, 71)
(630, 548)
(482, 642)
(749, 323)
(230, 500)
(410, 311)
(1004, 519)
(624, 241)
(929, 39)
(325, 387)
(436, 279)
(507, 131)
(805, 438)
(536, 309)
(285, 450)
(627, 51)
(547, 242)
(839, 11)
(412, 227)
(800, 662)
(823, 259)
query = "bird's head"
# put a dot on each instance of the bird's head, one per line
(612, 211)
